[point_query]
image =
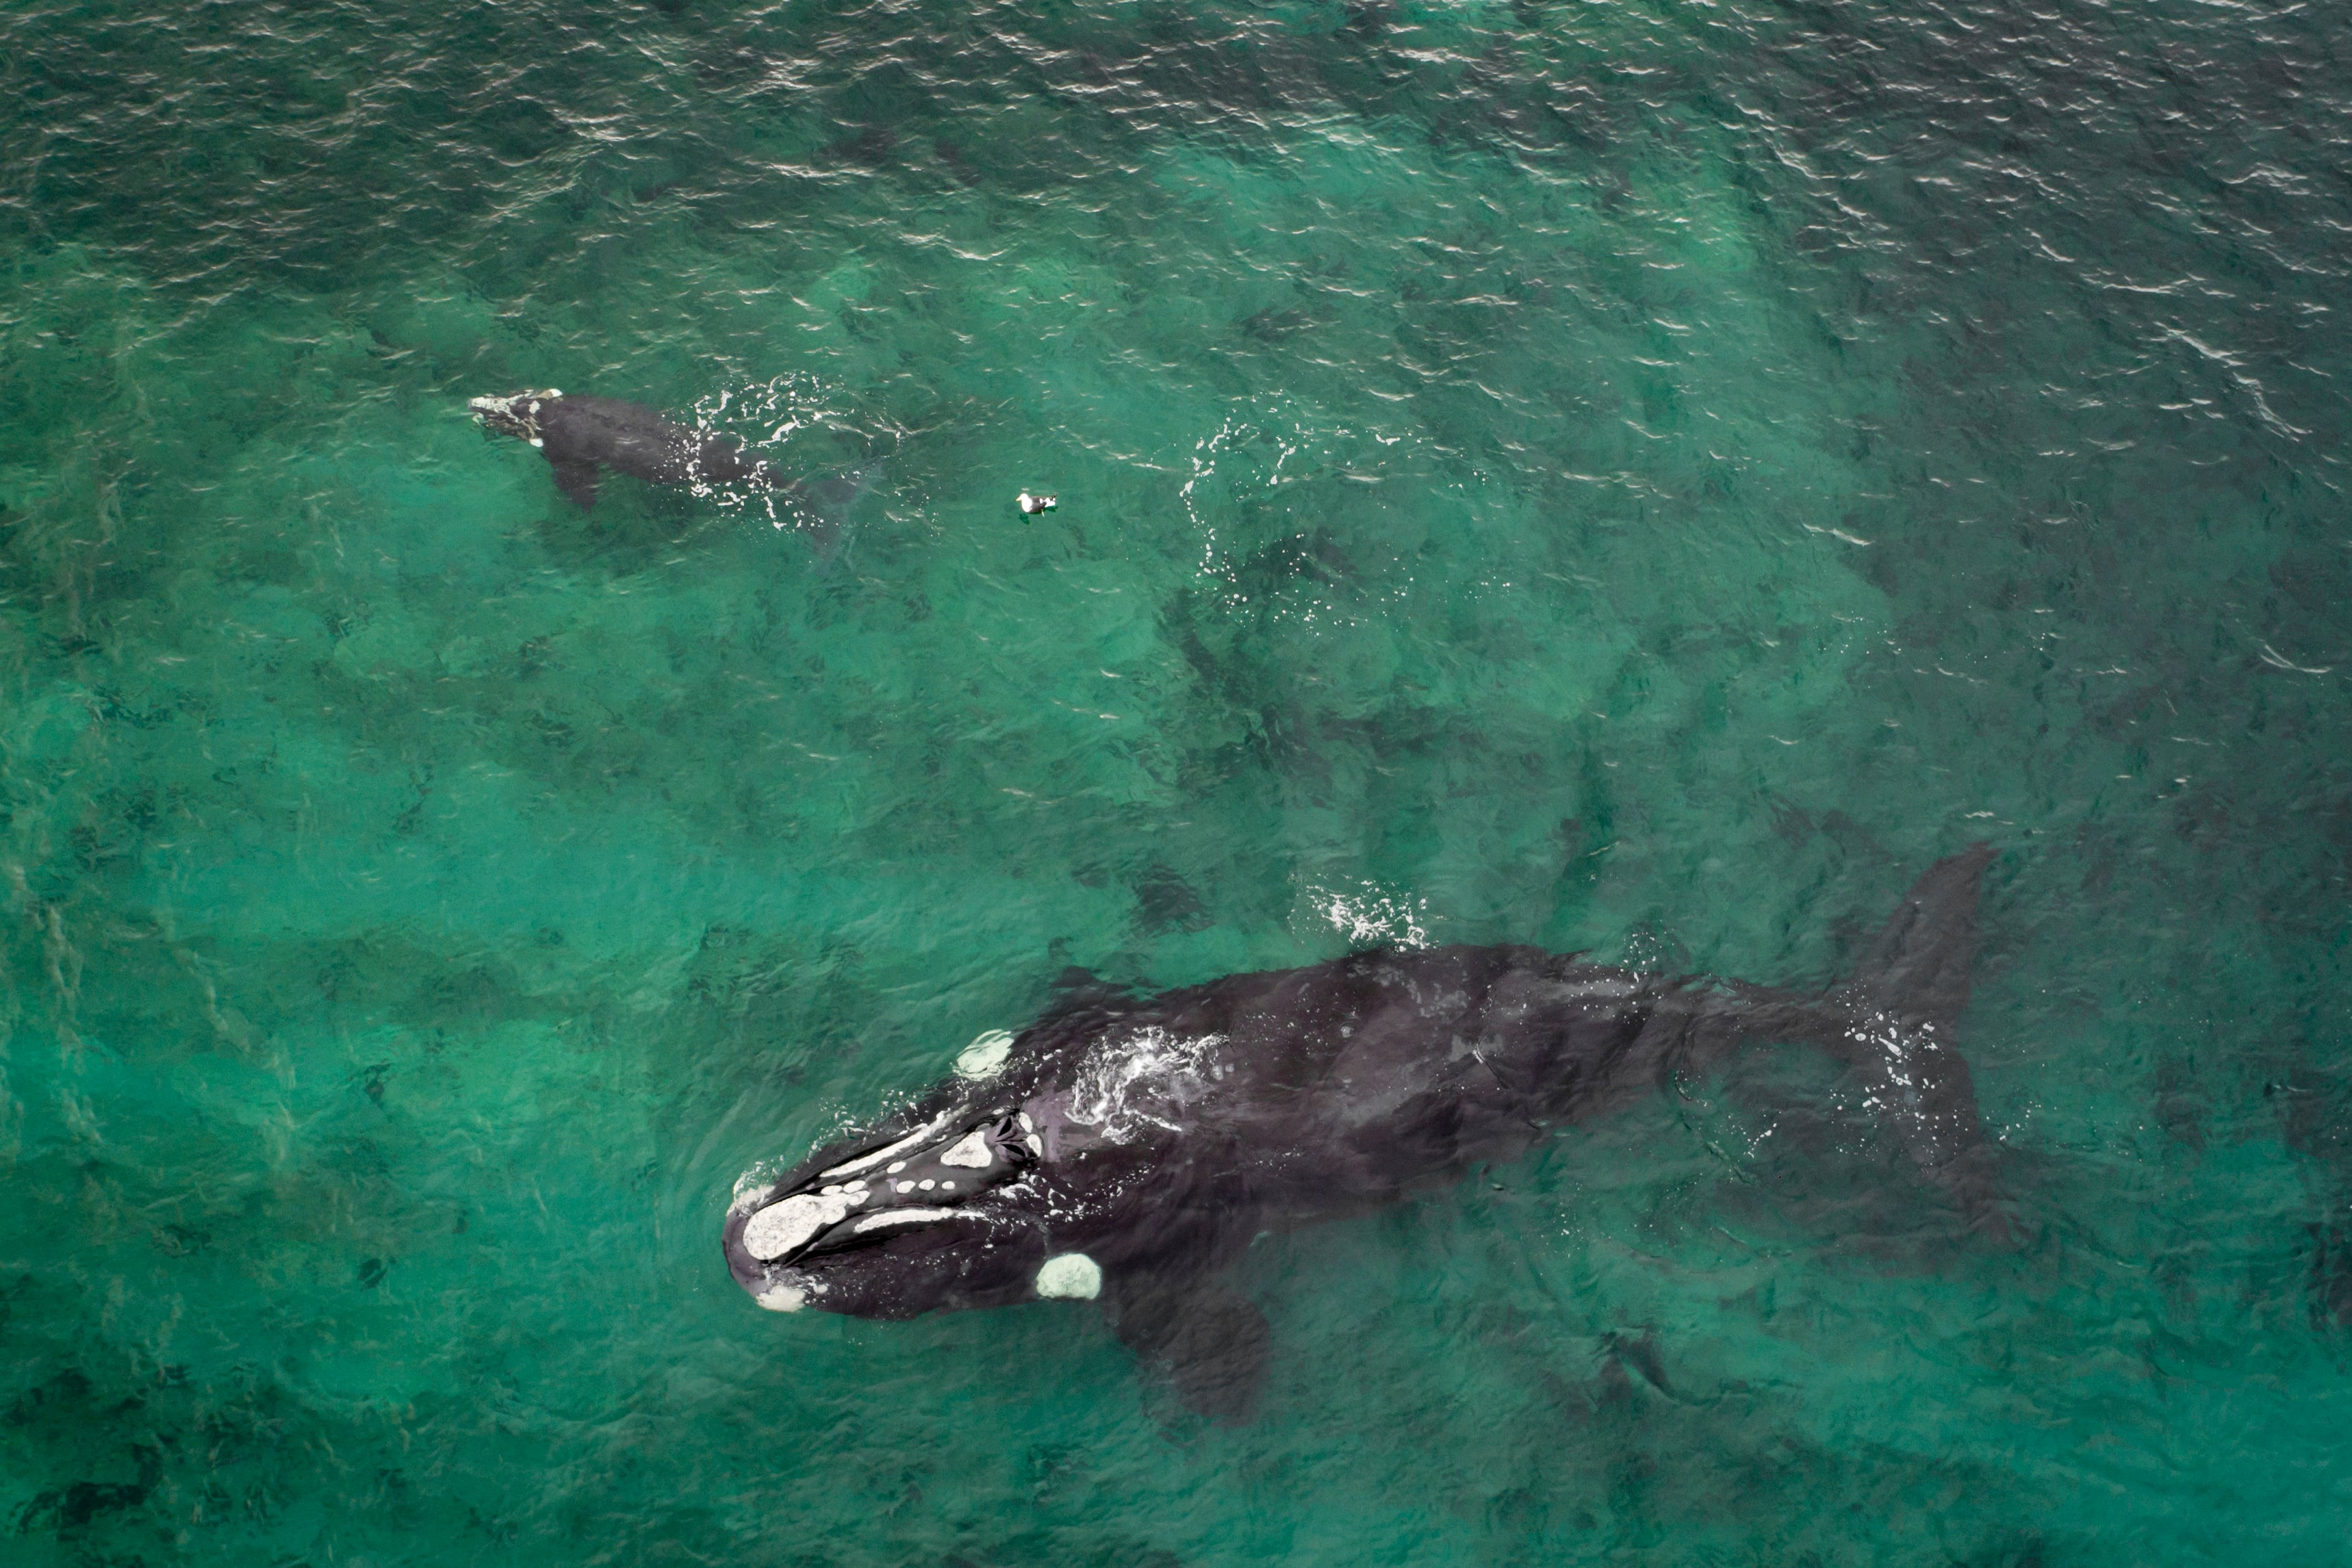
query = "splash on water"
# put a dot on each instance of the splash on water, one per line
(765, 417)
(1368, 916)
(1145, 1077)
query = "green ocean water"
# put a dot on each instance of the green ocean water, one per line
(1631, 476)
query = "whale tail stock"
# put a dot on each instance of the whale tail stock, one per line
(822, 504)
(1893, 1023)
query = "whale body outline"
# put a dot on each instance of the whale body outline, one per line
(579, 434)
(1129, 1147)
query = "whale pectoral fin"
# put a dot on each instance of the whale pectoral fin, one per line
(1209, 1343)
(577, 480)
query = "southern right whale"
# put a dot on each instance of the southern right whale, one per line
(1126, 1148)
(577, 434)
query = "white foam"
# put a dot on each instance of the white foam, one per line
(1147, 1076)
(1368, 914)
(1070, 1277)
(985, 1056)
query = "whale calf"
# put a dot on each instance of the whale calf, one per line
(1125, 1149)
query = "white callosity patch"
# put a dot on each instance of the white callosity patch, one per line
(985, 1056)
(1147, 1076)
(970, 1151)
(867, 1161)
(519, 412)
(783, 1298)
(1070, 1277)
(903, 1217)
(780, 1226)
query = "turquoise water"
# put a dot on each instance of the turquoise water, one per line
(1638, 477)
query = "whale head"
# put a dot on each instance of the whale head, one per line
(516, 416)
(945, 1215)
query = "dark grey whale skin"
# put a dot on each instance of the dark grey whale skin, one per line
(1352, 1084)
(577, 433)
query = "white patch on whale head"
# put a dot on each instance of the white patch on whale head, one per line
(890, 1217)
(867, 1161)
(984, 1057)
(783, 1298)
(1070, 1277)
(780, 1226)
(970, 1151)
(516, 416)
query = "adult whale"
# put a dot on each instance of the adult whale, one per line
(1128, 1147)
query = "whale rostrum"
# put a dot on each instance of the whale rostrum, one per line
(1126, 1148)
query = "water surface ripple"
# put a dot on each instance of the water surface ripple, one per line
(1638, 477)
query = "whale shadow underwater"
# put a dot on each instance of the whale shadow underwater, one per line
(581, 437)
(1126, 1149)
